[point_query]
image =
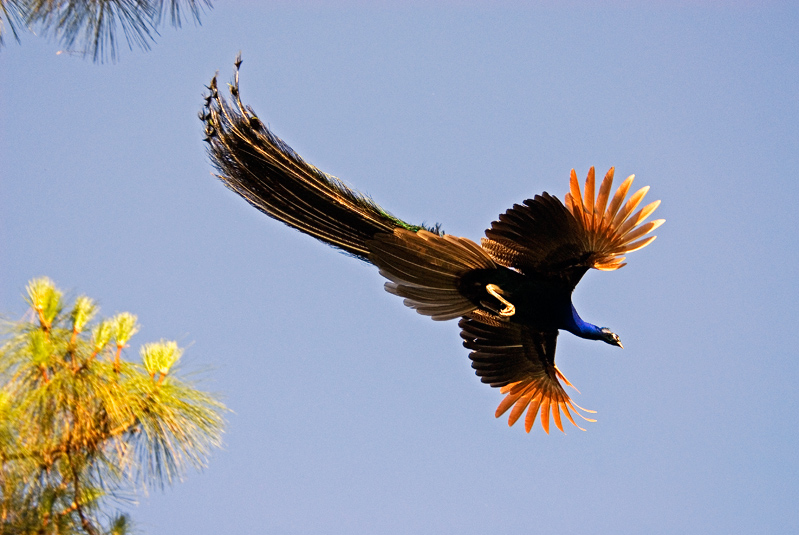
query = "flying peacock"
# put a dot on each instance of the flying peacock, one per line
(512, 292)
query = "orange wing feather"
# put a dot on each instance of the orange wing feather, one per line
(541, 394)
(611, 230)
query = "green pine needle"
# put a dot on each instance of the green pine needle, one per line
(77, 431)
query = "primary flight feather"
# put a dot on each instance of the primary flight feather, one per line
(512, 292)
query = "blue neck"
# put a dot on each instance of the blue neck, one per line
(583, 329)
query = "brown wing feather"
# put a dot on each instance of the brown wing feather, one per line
(539, 237)
(545, 238)
(425, 269)
(522, 363)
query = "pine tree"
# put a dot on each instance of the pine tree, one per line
(90, 27)
(81, 428)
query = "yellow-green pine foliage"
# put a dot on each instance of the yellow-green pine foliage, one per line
(45, 299)
(159, 357)
(80, 425)
(125, 327)
(82, 313)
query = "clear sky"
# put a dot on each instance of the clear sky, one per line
(352, 414)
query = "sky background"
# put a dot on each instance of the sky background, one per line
(351, 413)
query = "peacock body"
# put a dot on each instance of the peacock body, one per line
(512, 292)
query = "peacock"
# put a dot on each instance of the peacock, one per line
(511, 292)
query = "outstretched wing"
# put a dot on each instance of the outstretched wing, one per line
(521, 362)
(539, 237)
(561, 242)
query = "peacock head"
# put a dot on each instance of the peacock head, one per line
(610, 337)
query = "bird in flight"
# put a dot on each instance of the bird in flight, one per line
(512, 291)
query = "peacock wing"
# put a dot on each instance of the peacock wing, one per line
(609, 230)
(539, 237)
(425, 269)
(546, 238)
(521, 362)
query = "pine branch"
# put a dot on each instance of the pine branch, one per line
(97, 424)
(90, 27)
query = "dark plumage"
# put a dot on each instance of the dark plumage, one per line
(512, 291)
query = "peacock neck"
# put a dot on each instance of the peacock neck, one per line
(583, 329)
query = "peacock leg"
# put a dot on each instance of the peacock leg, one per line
(496, 291)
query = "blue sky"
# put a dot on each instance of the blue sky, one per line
(353, 414)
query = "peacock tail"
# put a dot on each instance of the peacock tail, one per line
(256, 164)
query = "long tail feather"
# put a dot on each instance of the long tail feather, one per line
(267, 173)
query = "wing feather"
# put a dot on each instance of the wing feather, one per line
(602, 198)
(532, 412)
(425, 269)
(559, 242)
(576, 207)
(521, 363)
(618, 198)
(588, 199)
